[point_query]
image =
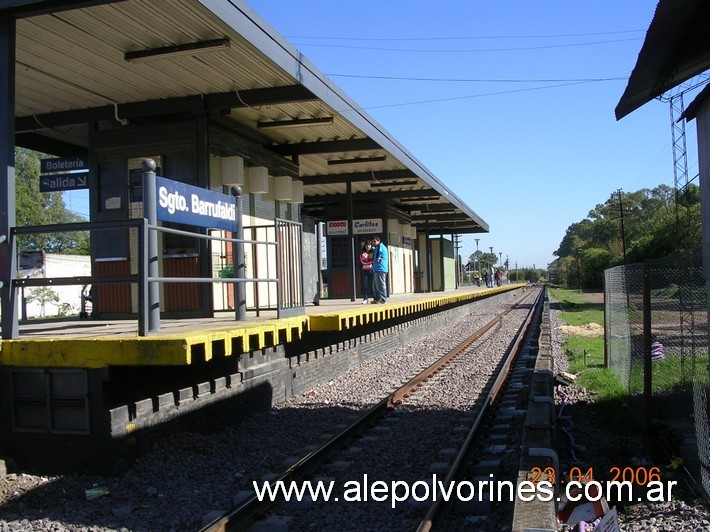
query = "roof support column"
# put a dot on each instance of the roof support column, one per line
(351, 236)
(429, 263)
(204, 256)
(442, 262)
(7, 176)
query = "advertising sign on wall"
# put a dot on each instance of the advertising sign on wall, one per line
(366, 226)
(181, 203)
(337, 227)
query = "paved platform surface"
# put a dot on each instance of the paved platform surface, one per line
(94, 343)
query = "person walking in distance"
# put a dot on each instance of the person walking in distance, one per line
(380, 266)
(366, 279)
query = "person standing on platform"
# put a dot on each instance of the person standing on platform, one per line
(366, 280)
(380, 266)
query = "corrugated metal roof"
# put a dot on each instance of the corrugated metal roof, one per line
(676, 48)
(70, 65)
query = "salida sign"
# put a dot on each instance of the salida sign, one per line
(58, 182)
(178, 202)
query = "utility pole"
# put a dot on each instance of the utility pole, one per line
(478, 262)
(490, 272)
(623, 234)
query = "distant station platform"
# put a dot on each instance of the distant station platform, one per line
(95, 344)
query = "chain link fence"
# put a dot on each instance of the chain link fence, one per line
(656, 334)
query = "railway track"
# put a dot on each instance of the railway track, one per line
(428, 431)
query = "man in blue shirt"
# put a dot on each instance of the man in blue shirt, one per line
(380, 267)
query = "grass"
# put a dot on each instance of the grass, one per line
(577, 309)
(586, 354)
(667, 375)
(586, 358)
(614, 411)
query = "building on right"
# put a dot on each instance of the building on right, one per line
(673, 65)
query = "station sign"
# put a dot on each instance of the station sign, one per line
(368, 226)
(365, 226)
(64, 173)
(337, 227)
(64, 164)
(187, 204)
(59, 182)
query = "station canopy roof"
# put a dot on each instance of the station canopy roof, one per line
(676, 49)
(120, 63)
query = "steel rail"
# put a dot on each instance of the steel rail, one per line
(239, 517)
(427, 523)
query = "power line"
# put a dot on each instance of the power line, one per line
(462, 50)
(552, 36)
(470, 96)
(481, 80)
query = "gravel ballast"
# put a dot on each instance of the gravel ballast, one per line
(186, 476)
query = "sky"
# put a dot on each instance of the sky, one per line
(510, 103)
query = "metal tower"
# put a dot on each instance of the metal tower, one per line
(683, 225)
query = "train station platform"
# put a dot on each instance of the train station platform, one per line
(95, 344)
(83, 395)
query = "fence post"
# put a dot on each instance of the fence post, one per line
(150, 212)
(606, 327)
(647, 380)
(240, 300)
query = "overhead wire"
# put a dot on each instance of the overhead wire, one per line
(469, 50)
(467, 37)
(480, 80)
(453, 98)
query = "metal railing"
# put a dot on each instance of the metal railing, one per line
(286, 245)
(656, 334)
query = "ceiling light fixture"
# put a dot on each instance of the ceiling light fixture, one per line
(296, 122)
(357, 160)
(393, 184)
(166, 52)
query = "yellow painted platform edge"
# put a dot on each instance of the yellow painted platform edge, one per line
(163, 350)
(339, 320)
(177, 349)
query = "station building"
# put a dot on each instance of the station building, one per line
(216, 98)
(203, 136)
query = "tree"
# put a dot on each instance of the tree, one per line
(43, 295)
(531, 275)
(33, 207)
(646, 224)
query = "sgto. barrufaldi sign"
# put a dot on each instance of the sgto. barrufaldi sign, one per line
(186, 204)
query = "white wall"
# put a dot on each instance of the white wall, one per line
(703, 128)
(61, 266)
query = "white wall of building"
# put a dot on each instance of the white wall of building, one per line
(59, 266)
